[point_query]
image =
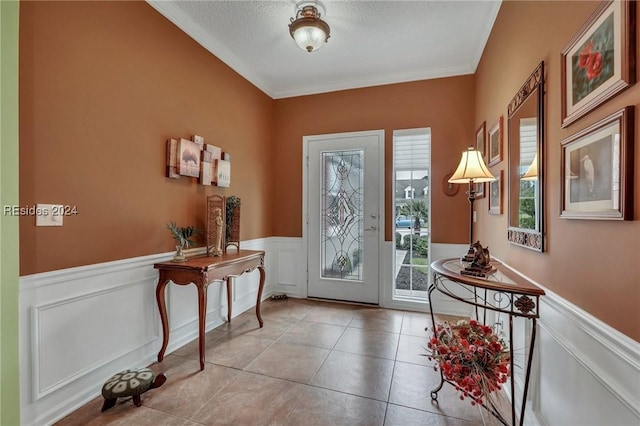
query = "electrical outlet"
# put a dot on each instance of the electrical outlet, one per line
(49, 215)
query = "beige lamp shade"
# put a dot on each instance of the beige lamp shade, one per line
(471, 169)
(532, 171)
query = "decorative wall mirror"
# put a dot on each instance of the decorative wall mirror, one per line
(526, 137)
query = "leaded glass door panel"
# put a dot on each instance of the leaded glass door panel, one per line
(343, 216)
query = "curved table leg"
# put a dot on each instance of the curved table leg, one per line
(162, 307)
(260, 288)
(432, 287)
(202, 316)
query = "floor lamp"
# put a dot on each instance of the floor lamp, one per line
(471, 170)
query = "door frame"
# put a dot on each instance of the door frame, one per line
(381, 202)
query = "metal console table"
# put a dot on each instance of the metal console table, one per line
(503, 291)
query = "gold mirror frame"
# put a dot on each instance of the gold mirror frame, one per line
(528, 101)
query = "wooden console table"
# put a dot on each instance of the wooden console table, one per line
(202, 271)
(503, 291)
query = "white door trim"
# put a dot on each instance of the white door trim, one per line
(305, 202)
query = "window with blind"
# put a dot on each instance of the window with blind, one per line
(411, 162)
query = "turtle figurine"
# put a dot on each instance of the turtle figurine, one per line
(130, 383)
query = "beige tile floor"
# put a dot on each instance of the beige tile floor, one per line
(313, 363)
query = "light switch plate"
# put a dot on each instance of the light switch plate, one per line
(49, 214)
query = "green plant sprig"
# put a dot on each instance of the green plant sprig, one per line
(183, 235)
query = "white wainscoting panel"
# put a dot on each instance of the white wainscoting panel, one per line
(290, 266)
(182, 306)
(244, 287)
(585, 372)
(81, 325)
(589, 372)
(67, 324)
(443, 304)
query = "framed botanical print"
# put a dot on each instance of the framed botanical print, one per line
(599, 62)
(495, 194)
(597, 170)
(480, 139)
(494, 149)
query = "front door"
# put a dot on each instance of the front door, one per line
(343, 215)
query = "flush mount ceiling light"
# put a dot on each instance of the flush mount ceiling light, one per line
(308, 30)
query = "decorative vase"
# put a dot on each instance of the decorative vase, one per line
(179, 256)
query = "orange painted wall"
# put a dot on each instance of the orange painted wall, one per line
(594, 264)
(445, 105)
(102, 86)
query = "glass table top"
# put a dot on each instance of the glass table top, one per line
(502, 279)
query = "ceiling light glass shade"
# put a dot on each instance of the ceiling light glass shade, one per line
(308, 30)
(471, 169)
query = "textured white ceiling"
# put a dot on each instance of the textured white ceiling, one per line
(372, 42)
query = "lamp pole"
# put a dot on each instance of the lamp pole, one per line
(472, 197)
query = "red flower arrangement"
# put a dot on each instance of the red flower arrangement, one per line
(470, 355)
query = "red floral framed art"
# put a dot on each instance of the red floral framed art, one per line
(599, 61)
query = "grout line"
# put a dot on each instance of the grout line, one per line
(327, 357)
(366, 355)
(308, 387)
(348, 393)
(393, 374)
